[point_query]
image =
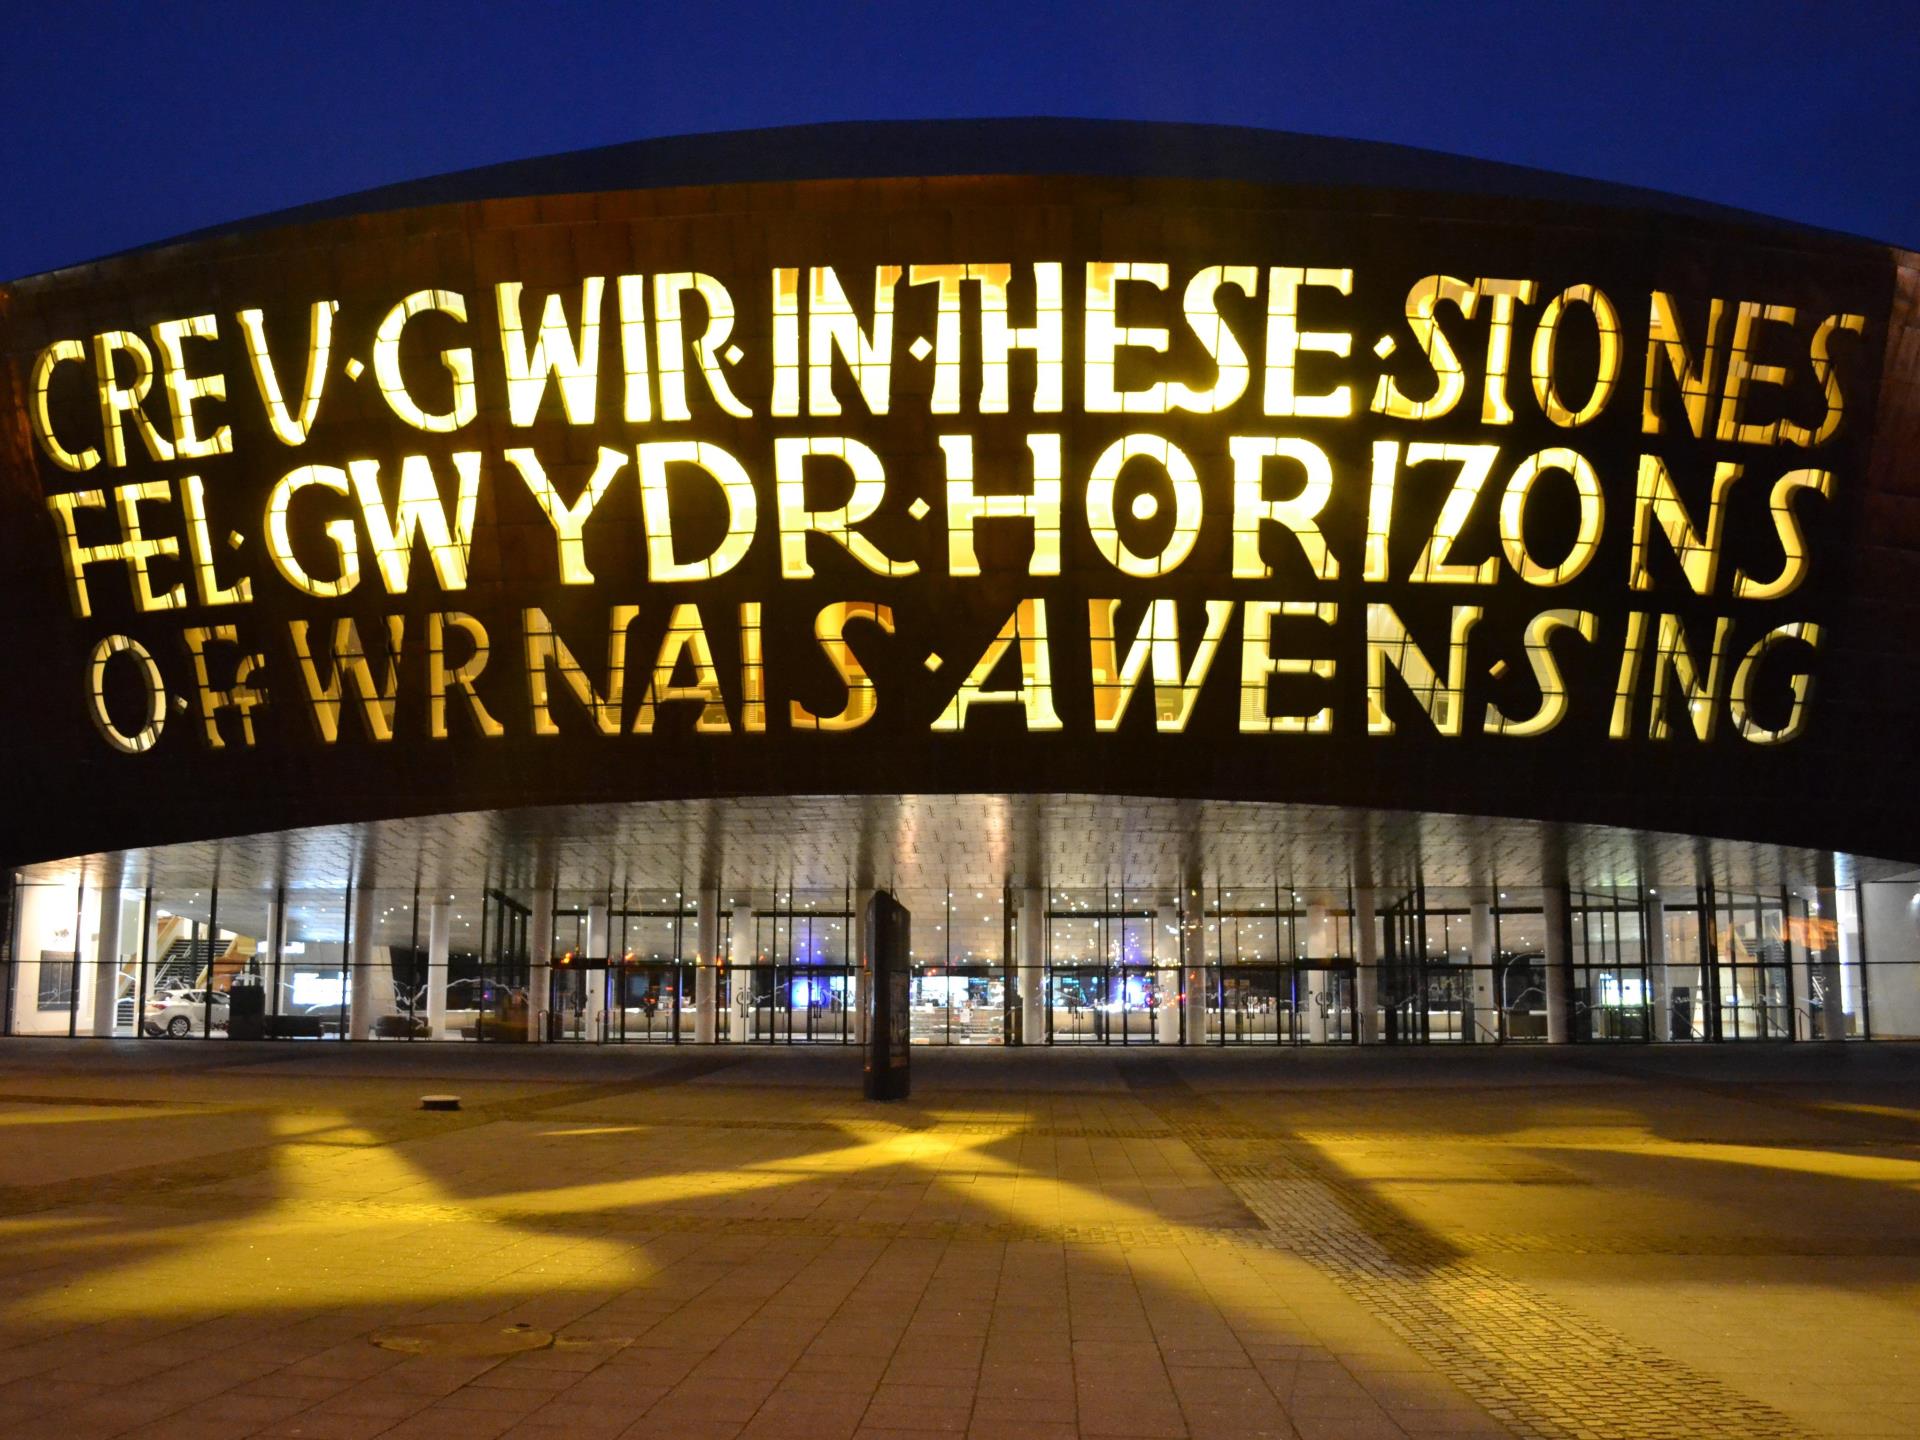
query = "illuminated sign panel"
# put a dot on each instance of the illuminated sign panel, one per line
(931, 490)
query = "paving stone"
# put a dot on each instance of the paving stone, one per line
(1212, 1245)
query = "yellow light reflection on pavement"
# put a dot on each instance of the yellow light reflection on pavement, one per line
(326, 1230)
(336, 1206)
(1824, 1163)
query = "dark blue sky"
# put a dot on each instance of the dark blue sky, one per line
(130, 123)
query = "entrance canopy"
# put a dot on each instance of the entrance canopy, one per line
(1065, 919)
(925, 842)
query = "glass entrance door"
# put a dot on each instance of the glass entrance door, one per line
(1308, 1003)
(1403, 1007)
(1447, 992)
(1144, 1006)
(1113, 1005)
(644, 1002)
(1612, 999)
(1077, 1005)
(800, 987)
(501, 999)
(782, 1004)
(1251, 1005)
(1113, 973)
(1325, 1012)
(569, 986)
(1752, 968)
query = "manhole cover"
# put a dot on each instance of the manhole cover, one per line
(488, 1337)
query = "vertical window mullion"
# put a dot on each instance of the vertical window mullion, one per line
(79, 944)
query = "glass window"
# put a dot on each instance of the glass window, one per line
(311, 990)
(1888, 926)
(45, 981)
(56, 990)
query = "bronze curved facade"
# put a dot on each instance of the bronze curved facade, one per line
(1013, 460)
(1683, 436)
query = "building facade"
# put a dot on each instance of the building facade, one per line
(1232, 588)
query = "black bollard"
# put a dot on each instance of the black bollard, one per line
(888, 972)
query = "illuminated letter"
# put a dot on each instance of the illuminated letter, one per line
(1494, 409)
(288, 428)
(1607, 321)
(1546, 672)
(1743, 370)
(569, 521)
(545, 648)
(1389, 644)
(829, 628)
(79, 556)
(1285, 341)
(1793, 543)
(144, 738)
(1513, 510)
(997, 338)
(1450, 381)
(1258, 667)
(133, 549)
(685, 637)
(965, 507)
(671, 347)
(350, 661)
(633, 348)
(743, 508)
(786, 342)
(1174, 694)
(1702, 699)
(136, 549)
(193, 501)
(1823, 371)
(1106, 337)
(346, 542)
(1186, 504)
(1300, 515)
(832, 325)
(458, 363)
(1655, 501)
(1044, 337)
(183, 389)
(574, 364)
(1376, 556)
(117, 400)
(1665, 337)
(1034, 694)
(1476, 463)
(1741, 701)
(439, 677)
(869, 489)
(58, 353)
(946, 332)
(417, 512)
(1621, 720)
(1217, 338)
(241, 696)
(753, 671)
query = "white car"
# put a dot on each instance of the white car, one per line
(184, 1012)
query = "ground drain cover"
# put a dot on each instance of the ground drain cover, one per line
(488, 1337)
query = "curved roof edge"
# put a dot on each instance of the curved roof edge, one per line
(884, 149)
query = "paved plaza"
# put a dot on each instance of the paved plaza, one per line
(208, 1240)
